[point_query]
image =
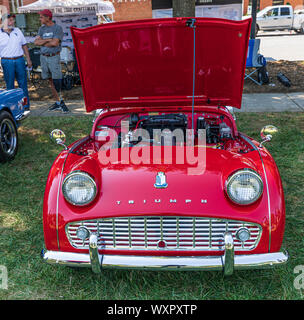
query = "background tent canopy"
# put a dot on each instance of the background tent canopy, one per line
(69, 6)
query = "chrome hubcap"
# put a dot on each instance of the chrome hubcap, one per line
(8, 136)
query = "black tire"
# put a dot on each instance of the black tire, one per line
(8, 137)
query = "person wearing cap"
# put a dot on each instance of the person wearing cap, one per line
(13, 47)
(49, 37)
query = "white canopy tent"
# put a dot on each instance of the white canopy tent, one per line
(67, 13)
(69, 6)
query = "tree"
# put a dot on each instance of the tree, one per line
(183, 8)
(253, 15)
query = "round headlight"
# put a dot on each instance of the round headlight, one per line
(244, 187)
(79, 188)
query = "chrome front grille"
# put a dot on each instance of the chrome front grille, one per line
(163, 233)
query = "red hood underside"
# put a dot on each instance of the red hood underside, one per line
(150, 62)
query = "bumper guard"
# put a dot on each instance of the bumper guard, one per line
(24, 115)
(226, 263)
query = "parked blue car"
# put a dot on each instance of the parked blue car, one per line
(12, 112)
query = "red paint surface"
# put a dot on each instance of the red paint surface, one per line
(150, 62)
(124, 182)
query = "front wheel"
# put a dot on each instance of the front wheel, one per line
(8, 137)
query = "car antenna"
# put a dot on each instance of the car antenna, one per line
(191, 23)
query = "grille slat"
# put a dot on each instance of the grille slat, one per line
(179, 233)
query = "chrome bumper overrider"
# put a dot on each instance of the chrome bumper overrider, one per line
(24, 115)
(227, 263)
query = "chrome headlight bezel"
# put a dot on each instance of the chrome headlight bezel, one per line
(90, 179)
(234, 176)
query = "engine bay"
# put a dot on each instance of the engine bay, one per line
(167, 128)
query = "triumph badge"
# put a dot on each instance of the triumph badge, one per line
(161, 182)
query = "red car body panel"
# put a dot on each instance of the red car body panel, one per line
(150, 62)
(124, 182)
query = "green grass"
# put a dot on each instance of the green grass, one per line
(21, 234)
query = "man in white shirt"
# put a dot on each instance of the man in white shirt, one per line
(12, 48)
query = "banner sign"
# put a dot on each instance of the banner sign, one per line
(76, 20)
(228, 11)
(167, 4)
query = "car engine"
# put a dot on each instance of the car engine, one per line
(163, 129)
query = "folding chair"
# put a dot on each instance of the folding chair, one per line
(76, 70)
(257, 62)
(35, 75)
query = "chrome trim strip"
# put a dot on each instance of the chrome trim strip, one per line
(210, 234)
(114, 233)
(145, 231)
(129, 232)
(267, 188)
(268, 199)
(241, 262)
(161, 229)
(57, 203)
(177, 233)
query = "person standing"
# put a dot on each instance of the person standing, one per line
(49, 37)
(12, 48)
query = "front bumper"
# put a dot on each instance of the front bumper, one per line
(24, 115)
(226, 263)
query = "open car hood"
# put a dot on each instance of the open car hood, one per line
(150, 62)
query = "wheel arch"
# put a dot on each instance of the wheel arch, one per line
(7, 109)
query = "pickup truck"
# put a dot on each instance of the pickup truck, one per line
(280, 18)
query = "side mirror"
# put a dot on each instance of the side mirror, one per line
(267, 133)
(58, 137)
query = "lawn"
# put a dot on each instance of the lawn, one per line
(21, 235)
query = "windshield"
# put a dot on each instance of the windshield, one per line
(263, 11)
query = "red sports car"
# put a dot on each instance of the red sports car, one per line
(165, 180)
